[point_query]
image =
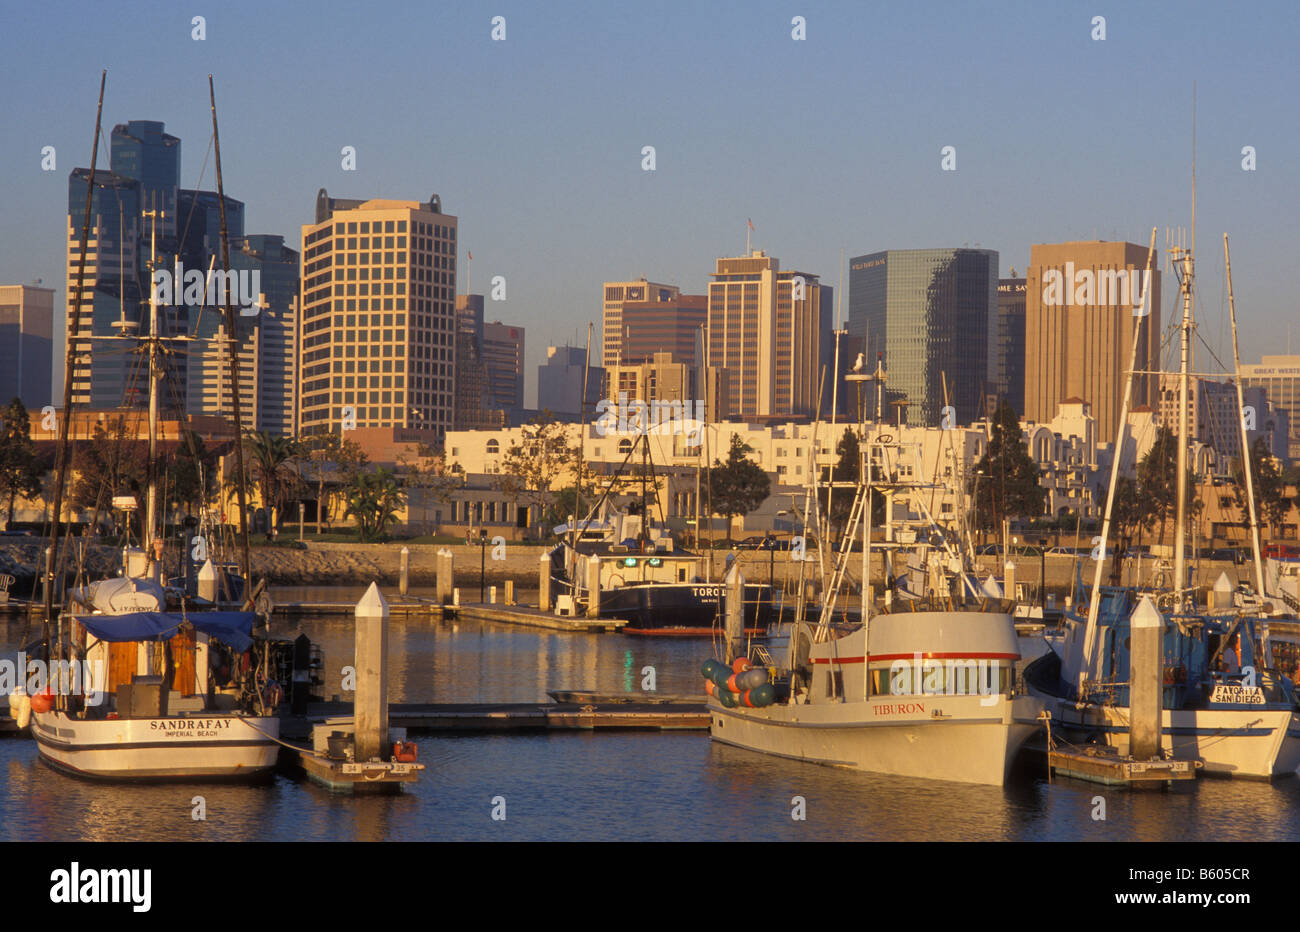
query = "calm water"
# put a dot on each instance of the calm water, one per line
(578, 786)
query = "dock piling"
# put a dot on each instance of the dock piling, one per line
(207, 581)
(1147, 631)
(404, 575)
(593, 587)
(371, 704)
(544, 582)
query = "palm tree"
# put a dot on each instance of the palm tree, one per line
(373, 499)
(272, 470)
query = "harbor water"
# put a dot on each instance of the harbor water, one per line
(601, 786)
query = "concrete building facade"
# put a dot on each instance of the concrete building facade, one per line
(378, 324)
(770, 333)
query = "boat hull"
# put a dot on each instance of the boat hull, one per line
(963, 739)
(682, 610)
(213, 747)
(1243, 742)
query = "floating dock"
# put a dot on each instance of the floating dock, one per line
(1105, 766)
(415, 608)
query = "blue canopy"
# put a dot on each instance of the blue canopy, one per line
(233, 628)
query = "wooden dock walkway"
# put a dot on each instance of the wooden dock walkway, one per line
(414, 607)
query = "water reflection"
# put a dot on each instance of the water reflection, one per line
(625, 786)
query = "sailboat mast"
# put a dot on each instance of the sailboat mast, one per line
(232, 334)
(1185, 351)
(70, 359)
(151, 493)
(1245, 437)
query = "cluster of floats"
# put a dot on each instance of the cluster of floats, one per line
(741, 684)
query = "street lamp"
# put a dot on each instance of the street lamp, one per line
(482, 566)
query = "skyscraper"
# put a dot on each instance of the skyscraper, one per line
(616, 294)
(1081, 303)
(503, 354)
(1008, 345)
(475, 408)
(928, 312)
(560, 383)
(669, 326)
(26, 344)
(275, 326)
(770, 331)
(377, 331)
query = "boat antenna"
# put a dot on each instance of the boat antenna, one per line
(61, 457)
(232, 325)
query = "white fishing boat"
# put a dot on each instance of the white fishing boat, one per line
(922, 684)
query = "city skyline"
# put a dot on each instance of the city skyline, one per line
(1031, 164)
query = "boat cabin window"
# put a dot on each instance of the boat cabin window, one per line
(943, 678)
(681, 574)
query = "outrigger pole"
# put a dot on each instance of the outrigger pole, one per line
(232, 334)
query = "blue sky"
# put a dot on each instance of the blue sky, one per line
(828, 143)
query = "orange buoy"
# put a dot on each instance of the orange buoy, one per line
(43, 701)
(709, 687)
(740, 665)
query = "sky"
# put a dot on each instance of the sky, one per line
(830, 144)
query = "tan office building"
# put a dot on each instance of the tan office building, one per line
(769, 331)
(616, 293)
(664, 379)
(1079, 322)
(378, 325)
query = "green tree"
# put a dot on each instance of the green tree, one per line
(540, 458)
(1006, 482)
(849, 469)
(20, 467)
(1271, 502)
(112, 464)
(373, 498)
(1157, 485)
(192, 472)
(739, 485)
(331, 463)
(271, 468)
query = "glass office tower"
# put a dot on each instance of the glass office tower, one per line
(927, 311)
